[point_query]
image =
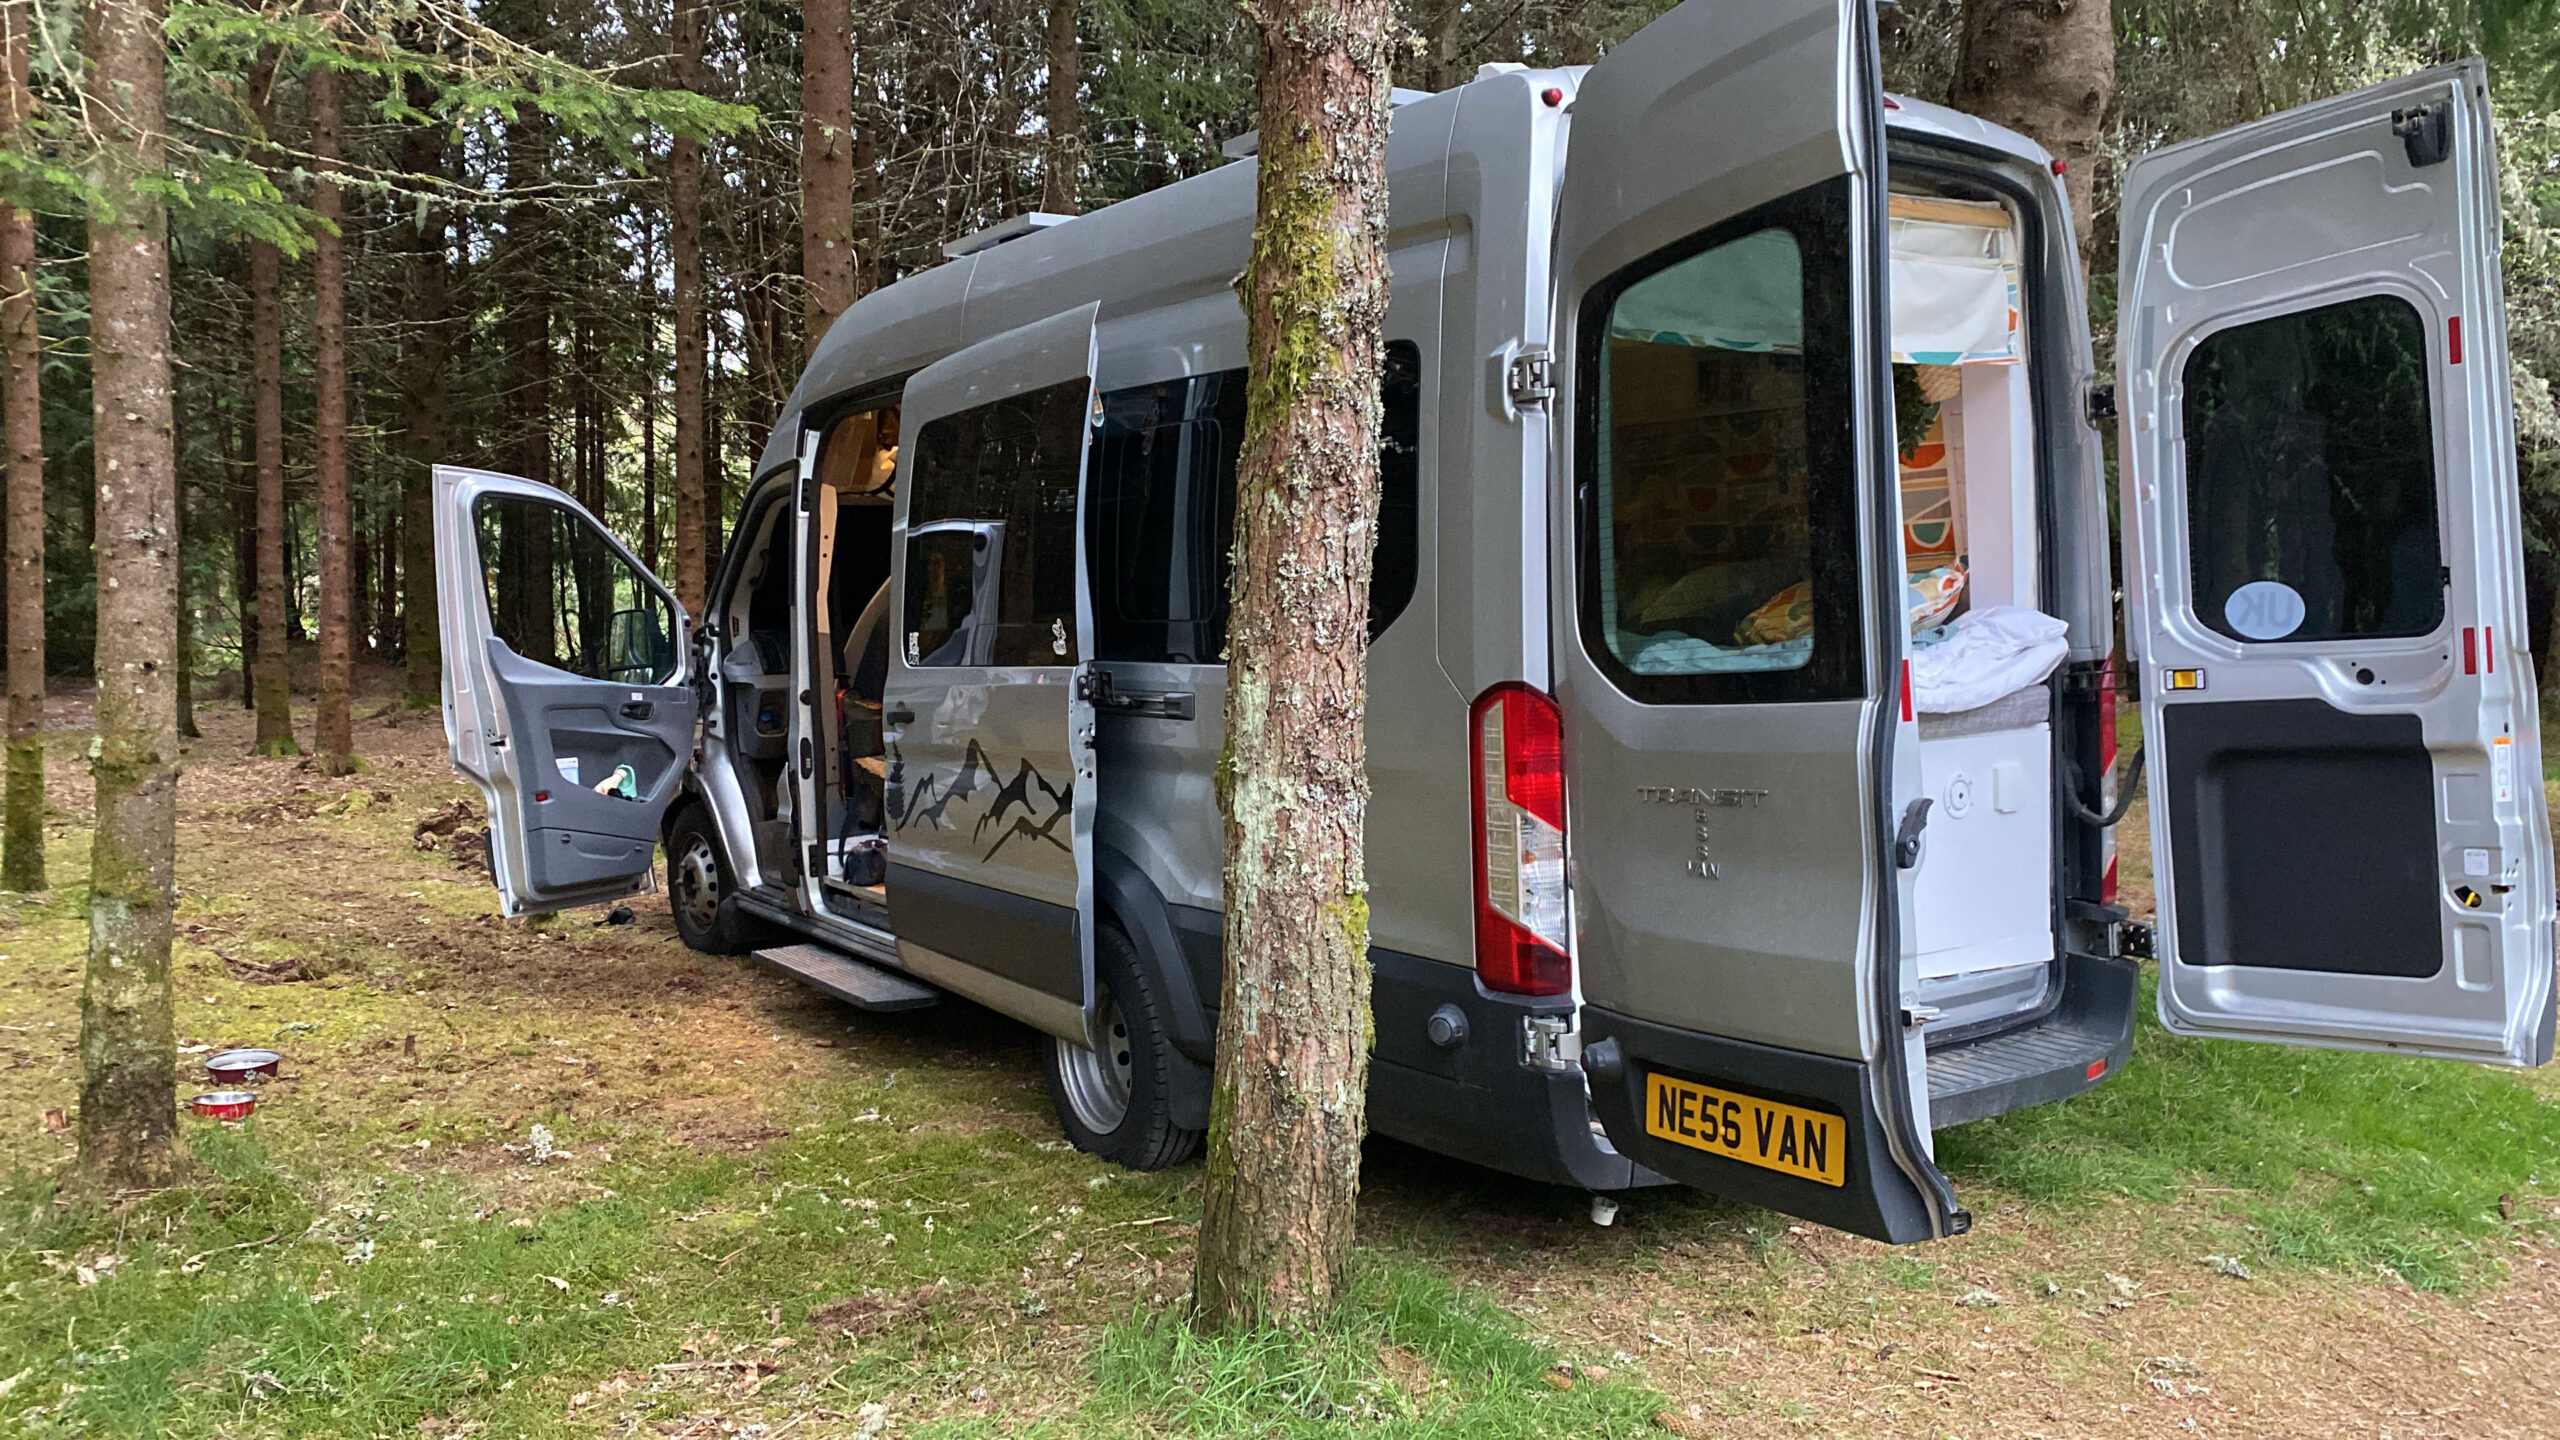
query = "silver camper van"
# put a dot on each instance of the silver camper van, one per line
(1741, 707)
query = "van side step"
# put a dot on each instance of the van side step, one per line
(866, 987)
(2084, 1041)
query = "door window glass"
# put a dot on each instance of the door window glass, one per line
(561, 594)
(1717, 462)
(947, 570)
(2311, 475)
(1011, 468)
(1162, 519)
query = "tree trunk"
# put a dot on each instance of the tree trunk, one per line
(827, 258)
(1064, 151)
(274, 678)
(423, 402)
(128, 1077)
(1293, 1034)
(2046, 69)
(334, 732)
(22, 834)
(649, 410)
(685, 241)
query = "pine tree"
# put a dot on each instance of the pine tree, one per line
(22, 836)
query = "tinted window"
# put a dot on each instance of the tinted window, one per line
(561, 595)
(1010, 467)
(947, 570)
(1161, 528)
(1717, 465)
(2311, 475)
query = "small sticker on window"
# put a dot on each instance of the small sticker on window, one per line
(2264, 610)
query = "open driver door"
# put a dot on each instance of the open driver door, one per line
(2324, 582)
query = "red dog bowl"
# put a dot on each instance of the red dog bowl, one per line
(225, 1104)
(237, 1065)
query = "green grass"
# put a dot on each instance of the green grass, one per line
(2333, 1159)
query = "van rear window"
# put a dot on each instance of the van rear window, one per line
(1717, 465)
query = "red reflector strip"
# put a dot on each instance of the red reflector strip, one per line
(2470, 651)
(1906, 692)
(2453, 338)
(2097, 1067)
(2489, 647)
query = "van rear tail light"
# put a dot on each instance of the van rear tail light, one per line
(2107, 785)
(1522, 936)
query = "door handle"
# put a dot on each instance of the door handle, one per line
(639, 709)
(900, 716)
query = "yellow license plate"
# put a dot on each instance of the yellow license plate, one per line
(1789, 1139)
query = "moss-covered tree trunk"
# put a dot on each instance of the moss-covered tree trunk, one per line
(22, 835)
(1293, 1034)
(273, 678)
(684, 226)
(128, 1079)
(334, 730)
(2046, 69)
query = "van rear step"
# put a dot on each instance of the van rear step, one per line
(2085, 1040)
(866, 987)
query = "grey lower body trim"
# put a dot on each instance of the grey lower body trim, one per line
(1040, 1011)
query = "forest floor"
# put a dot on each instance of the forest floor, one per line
(570, 1178)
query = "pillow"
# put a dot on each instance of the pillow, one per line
(1932, 595)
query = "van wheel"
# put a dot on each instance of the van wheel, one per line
(1113, 1102)
(699, 886)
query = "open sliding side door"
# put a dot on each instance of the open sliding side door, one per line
(2325, 582)
(988, 729)
(1728, 640)
(566, 694)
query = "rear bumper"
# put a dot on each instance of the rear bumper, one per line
(1476, 1099)
(1875, 1198)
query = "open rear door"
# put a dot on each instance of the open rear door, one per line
(566, 694)
(2325, 582)
(987, 726)
(1728, 641)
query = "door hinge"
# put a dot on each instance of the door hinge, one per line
(1530, 378)
(1550, 1042)
(2425, 131)
(2099, 406)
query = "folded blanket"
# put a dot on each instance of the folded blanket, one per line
(1987, 654)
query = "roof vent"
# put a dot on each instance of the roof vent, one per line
(1250, 142)
(1009, 229)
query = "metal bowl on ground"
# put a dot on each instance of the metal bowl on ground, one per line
(224, 1104)
(234, 1066)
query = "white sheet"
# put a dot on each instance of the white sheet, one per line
(1986, 654)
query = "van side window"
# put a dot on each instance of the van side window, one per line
(2311, 475)
(1005, 474)
(1716, 463)
(1160, 529)
(561, 595)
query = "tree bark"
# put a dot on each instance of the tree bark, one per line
(2046, 69)
(1063, 153)
(827, 259)
(423, 406)
(334, 732)
(1293, 1034)
(692, 366)
(649, 409)
(128, 1079)
(22, 833)
(273, 680)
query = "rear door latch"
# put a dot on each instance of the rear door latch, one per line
(1906, 840)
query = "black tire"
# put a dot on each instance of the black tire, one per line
(1138, 1055)
(702, 889)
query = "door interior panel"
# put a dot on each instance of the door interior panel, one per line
(2302, 837)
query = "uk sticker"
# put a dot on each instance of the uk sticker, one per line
(2502, 767)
